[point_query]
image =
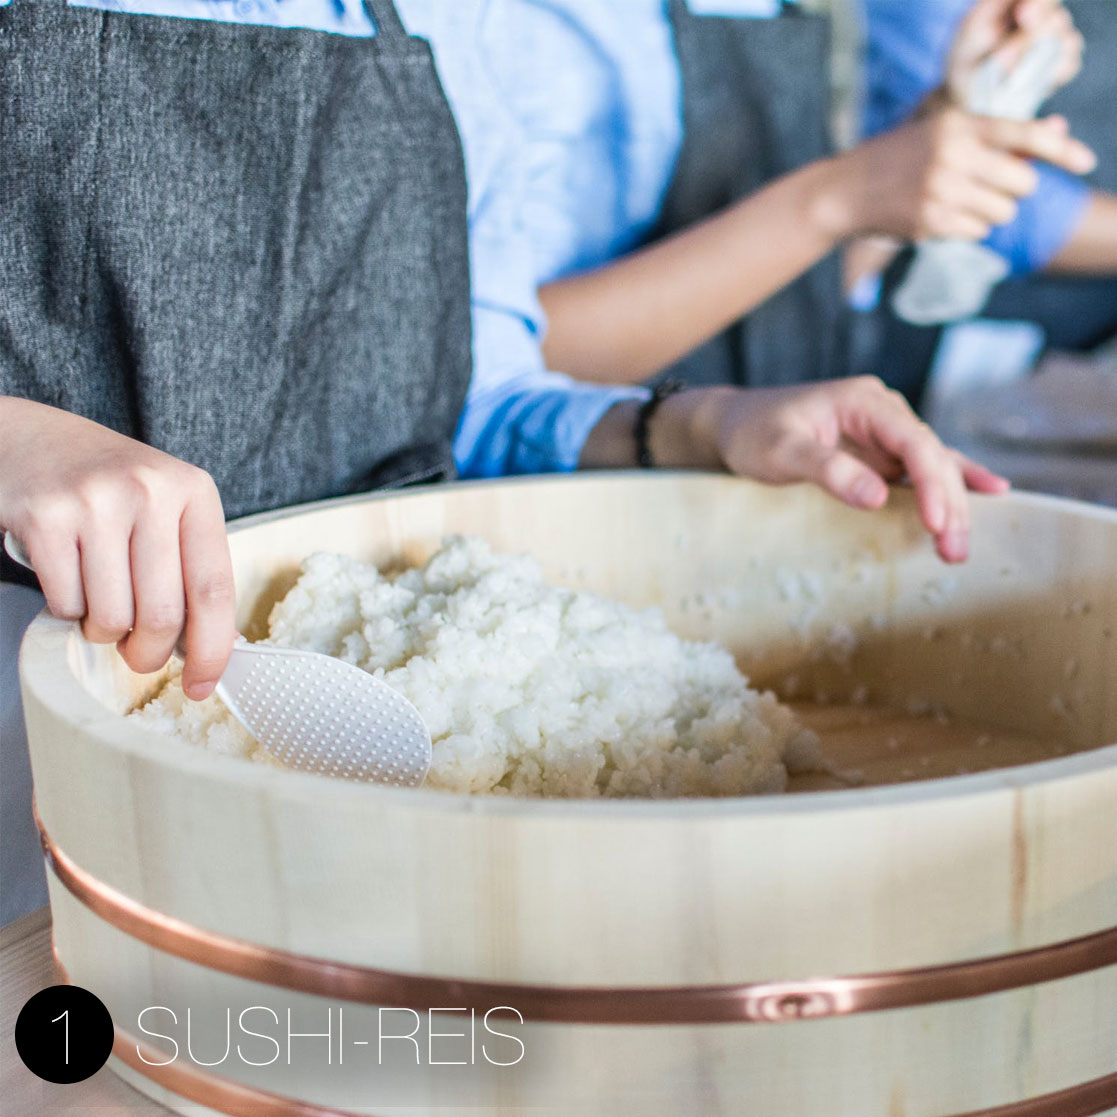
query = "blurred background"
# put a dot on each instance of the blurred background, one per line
(1029, 385)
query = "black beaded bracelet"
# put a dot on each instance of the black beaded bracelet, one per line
(644, 417)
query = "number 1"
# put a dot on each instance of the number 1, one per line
(65, 1017)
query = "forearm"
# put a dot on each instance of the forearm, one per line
(681, 435)
(632, 318)
(1092, 248)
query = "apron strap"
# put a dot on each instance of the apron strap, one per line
(386, 18)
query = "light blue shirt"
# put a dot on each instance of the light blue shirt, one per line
(596, 90)
(909, 42)
(571, 120)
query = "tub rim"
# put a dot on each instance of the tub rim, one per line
(49, 641)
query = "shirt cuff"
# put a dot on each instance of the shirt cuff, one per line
(532, 429)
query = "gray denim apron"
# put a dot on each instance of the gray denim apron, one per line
(244, 245)
(756, 96)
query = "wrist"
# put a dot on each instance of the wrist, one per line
(16, 447)
(683, 433)
(936, 101)
(833, 190)
(19, 419)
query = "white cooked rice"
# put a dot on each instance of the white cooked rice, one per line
(527, 688)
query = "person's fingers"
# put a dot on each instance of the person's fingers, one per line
(1043, 19)
(1038, 140)
(835, 470)
(1052, 21)
(1029, 24)
(869, 412)
(57, 565)
(1056, 23)
(208, 579)
(979, 479)
(1002, 172)
(950, 221)
(990, 207)
(987, 24)
(898, 430)
(1012, 49)
(106, 575)
(987, 18)
(998, 10)
(157, 591)
(953, 542)
(875, 457)
(1031, 13)
(1074, 47)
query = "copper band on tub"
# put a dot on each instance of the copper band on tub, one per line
(223, 1095)
(753, 1002)
(238, 1099)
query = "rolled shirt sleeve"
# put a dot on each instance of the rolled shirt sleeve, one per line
(908, 46)
(520, 418)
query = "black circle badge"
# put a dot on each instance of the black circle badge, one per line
(64, 1034)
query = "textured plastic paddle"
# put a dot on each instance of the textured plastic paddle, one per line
(317, 714)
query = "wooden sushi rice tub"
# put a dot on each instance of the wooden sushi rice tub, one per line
(931, 947)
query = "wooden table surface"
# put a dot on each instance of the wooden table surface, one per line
(26, 966)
